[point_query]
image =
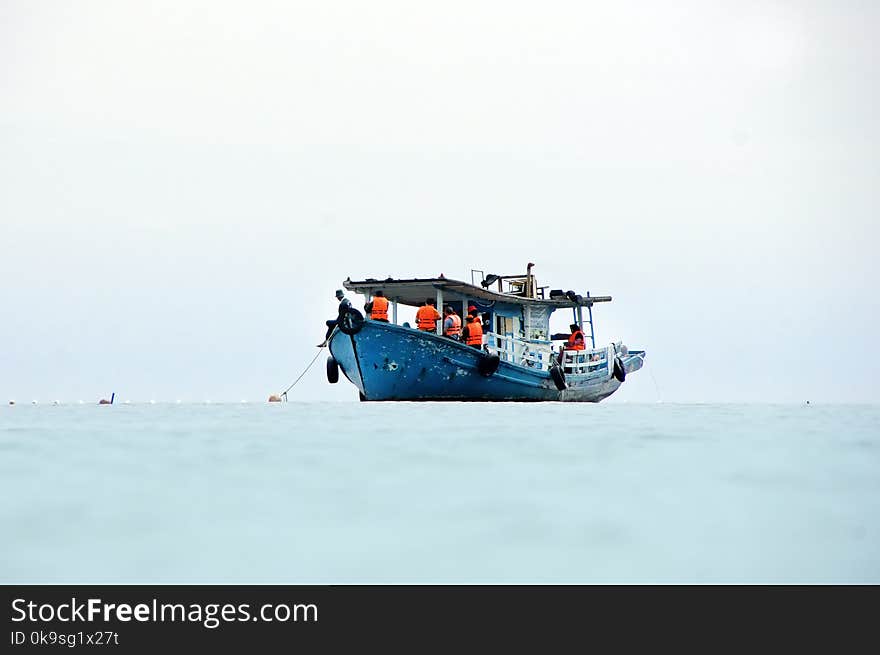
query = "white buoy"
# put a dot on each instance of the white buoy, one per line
(177, 401)
(127, 402)
(152, 402)
(33, 402)
(56, 402)
(80, 402)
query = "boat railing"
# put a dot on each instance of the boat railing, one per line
(532, 353)
(540, 355)
(590, 360)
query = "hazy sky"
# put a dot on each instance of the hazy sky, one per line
(183, 185)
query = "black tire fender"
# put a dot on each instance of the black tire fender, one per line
(332, 370)
(488, 364)
(352, 322)
(619, 370)
(558, 377)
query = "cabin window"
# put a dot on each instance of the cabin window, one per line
(508, 325)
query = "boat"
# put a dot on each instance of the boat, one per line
(516, 361)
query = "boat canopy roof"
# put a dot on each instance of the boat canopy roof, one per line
(414, 291)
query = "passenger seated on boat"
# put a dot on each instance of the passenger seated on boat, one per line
(451, 323)
(377, 308)
(576, 339)
(472, 333)
(344, 306)
(427, 316)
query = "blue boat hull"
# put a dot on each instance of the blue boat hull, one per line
(389, 362)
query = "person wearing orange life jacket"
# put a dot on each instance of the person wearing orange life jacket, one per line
(472, 333)
(451, 323)
(378, 307)
(576, 338)
(427, 317)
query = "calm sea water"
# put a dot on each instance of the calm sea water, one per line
(447, 492)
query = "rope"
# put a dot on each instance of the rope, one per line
(656, 388)
(314, 359)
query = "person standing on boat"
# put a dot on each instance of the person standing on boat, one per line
(344, 306)
(451, 323)
(427, 316)
(472, 333)
(378, 307)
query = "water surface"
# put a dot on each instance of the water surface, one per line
(440, 492)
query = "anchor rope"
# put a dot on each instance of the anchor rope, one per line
(314, 359)
(656, 387)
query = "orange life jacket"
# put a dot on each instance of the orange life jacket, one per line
(426, 318)
(475, 332)
(576, 341)
(380, 309)
(455, 330)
